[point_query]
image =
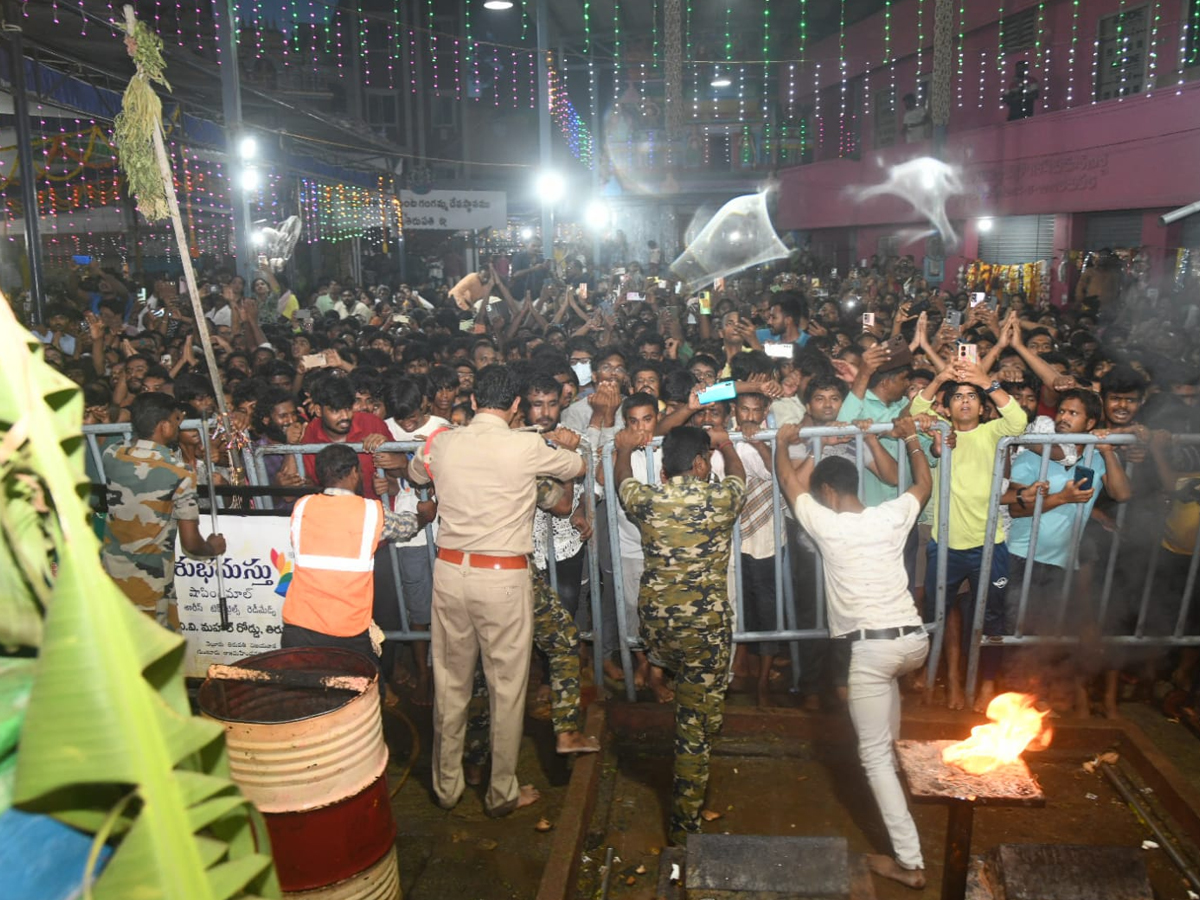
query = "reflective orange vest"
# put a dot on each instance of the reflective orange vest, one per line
(334, 537)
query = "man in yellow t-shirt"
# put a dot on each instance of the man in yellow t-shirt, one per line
(964, 387)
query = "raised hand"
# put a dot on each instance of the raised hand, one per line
(629, 440)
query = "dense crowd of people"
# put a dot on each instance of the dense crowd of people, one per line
(629, 352)
(621, 357)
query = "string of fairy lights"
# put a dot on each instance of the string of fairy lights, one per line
(84, 206)
(760, 87)
(386, 50)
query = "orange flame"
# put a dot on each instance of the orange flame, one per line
(1015, 726)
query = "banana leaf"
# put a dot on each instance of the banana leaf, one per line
(108, 744)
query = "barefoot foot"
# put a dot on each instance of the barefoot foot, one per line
(887, 867)
(613, 671)
(529, 796)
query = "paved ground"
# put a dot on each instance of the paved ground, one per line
(760, 786)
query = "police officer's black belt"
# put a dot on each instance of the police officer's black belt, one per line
(881, 634)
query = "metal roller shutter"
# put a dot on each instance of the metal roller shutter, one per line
(1113, 230)
(1017, 239)
(1191, 232)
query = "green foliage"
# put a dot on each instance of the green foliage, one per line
(108, 743)
(133, 129)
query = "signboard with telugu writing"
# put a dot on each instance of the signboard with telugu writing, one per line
(255, 570)
(454, 210)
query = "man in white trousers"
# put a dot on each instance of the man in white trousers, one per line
(869, 604)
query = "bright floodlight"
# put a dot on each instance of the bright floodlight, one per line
(248, 148)
(526, 233)
(985, 225)
(597, 215)
(249, 179)
(550, 188)
(258, 238)
(498, 4)
(720, 79)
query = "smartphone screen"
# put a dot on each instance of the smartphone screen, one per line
(634, 297)
(705, 303)
(719, 285)
(722, 390)
(978, 297)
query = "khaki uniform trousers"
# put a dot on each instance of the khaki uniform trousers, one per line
(478, 614)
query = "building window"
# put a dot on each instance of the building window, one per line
(1122, 47)
(1019, 31)
(381, 108)
(883, 108)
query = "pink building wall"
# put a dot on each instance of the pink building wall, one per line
(1135, 153)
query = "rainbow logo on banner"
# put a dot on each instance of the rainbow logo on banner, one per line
(283, 566)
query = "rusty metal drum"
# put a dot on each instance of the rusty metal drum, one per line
(313, 761)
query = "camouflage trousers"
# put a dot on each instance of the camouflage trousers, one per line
(555, 634)
(698, 652)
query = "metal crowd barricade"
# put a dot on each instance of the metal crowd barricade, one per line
(93, 433)
(299, 451)
(786, 610)
(1045, 444)
(406, 632)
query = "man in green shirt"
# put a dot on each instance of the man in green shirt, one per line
(879, 392)
(964, 387)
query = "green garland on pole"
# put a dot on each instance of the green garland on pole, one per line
(141, 112)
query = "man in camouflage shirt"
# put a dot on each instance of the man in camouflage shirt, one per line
(150, 496)
(683, 604)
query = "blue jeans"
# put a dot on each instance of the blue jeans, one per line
(964, 565)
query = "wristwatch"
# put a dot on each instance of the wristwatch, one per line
(992, 388)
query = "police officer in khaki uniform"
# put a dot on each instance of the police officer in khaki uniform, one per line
(486, 476)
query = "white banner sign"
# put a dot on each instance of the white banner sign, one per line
(255, 572)
(454, 210)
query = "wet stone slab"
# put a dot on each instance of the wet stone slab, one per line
(743, 866)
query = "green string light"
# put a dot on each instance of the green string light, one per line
(842, 136)
(962, 30)
(1043, 62)
(1071, 54)
(888, 59)
(1000, 53)
(1123, 41)
(920, 44)
(766, 77)
(1155, 18)
(616, 18)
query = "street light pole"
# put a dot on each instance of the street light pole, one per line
(29, 201)
(231, 107)
(541, 25)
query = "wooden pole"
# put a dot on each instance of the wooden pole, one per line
(189, 274)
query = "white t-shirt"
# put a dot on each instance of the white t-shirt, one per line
(630, 536)
(866, 585)
(222, 316)
(406, 496)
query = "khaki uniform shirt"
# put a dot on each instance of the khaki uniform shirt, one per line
(486, 476)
